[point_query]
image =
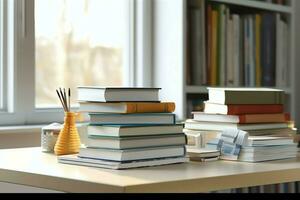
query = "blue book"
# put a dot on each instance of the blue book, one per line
(133, 119)
(268, 49)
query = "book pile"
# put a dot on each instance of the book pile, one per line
(259, 112)
(129, 128)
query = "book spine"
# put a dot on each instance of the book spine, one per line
(209, 43)
(268, 50)
(214, 64)
(264, 118)
(258, 49)
(150, 108)
(254, 109)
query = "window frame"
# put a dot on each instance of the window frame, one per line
(19, 79)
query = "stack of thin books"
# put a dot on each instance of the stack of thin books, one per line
(258, 111)
(129, 128)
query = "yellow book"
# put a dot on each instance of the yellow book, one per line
(214, 48)
(127, 107)
(258, 52)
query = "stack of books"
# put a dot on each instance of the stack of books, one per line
(258, 111)
(128, 128)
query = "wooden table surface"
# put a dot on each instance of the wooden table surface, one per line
(31, 167)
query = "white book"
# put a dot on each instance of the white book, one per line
(267, 158)
(132, 154)
(269, 141)
(117, 94)
(135, 142)
(202, 153)
(208, 117)
(132, 119)
(220, 126)
(75, 160)
(123, 131)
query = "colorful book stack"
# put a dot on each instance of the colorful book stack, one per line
(129, 128)
(260, 112)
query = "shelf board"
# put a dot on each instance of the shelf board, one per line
(259, 5)
(195, 89)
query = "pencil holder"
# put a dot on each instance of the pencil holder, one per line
(68, 141)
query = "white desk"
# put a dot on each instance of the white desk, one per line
(31, 167)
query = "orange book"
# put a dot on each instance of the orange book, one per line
(127, 107)
(264, 118)
(243, 109)
(214, 48)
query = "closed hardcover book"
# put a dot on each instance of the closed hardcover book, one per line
(269, 141)
(118, 94)
(127, 107)
(242, 109)
(135, 142)
(75, 160)
(129, 130)
(242, 119)
(132, 119)
(220, 126)
(132, 154)
(262, 153)
(237, 96)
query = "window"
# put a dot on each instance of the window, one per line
(1, 56)
(79, 42)
(54, 43)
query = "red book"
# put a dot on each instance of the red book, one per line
(242, 109)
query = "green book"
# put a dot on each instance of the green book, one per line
(245, 96)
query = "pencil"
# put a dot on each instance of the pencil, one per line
(61, 100)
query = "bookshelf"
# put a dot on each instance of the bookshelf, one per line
(171, 68)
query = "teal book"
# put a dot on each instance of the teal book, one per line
(133, 130)
(135, 142)
(133, 119)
